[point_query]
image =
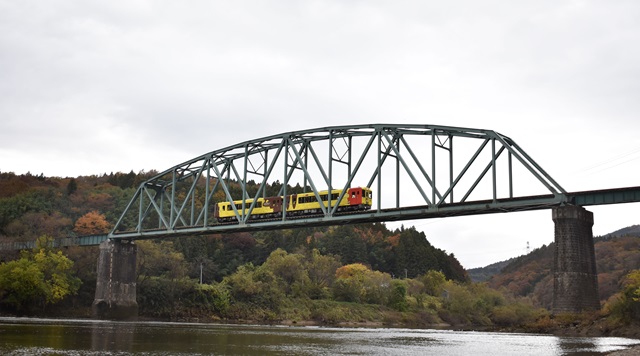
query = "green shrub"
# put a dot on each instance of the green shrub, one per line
(398, 295)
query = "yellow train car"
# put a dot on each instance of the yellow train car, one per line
(306, 203)
(302, 204)
(265, 208)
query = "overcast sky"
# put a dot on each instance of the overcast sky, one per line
(92, 87)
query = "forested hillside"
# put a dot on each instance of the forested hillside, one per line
(32, 207)
(617, 254)
(329, 275)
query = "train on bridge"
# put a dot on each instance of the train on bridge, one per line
(296, 205)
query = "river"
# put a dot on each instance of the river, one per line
(27, 336)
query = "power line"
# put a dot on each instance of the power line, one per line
(612, 162)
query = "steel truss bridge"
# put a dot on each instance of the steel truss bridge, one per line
(414, 171)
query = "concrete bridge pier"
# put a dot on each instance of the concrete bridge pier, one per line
(575, 280)
(116, 283)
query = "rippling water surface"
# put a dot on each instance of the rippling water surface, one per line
(20, 336)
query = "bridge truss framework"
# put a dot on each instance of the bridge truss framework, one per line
(180, 200)
(415, 171)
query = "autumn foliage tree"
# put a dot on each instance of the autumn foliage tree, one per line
(357, 283)
(40, 277)
(91, 223)
(625, 305)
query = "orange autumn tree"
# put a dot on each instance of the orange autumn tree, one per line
(91, 223)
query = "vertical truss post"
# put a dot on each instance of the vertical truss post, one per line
(306, 164)
(286, 178)
(433, 165)
(193, 208)
(451, 166)
(493, 169)
(173, 196)
(206, 194)
(161, 212)
(245, 194)
(349, 155)
(379, 169)
(330, 185)
(266, 172)
(510, 175)
(140, 209)
(398, 175)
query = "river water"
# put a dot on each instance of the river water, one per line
(26, 336)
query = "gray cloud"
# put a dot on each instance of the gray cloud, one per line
(94, 87)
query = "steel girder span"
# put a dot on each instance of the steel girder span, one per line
(413, 171)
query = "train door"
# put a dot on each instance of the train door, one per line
(355, 196)
(275, 203)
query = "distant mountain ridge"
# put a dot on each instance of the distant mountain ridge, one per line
(531, 275)
(483, 274)
(633, 230)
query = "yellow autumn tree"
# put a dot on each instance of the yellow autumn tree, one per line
(40, 277)
(92, 223)
(358, 283)
(354, 270)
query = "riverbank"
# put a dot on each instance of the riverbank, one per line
(634, 351)
(25, 336)
(587, 325)
(567, 339)
(355, 315)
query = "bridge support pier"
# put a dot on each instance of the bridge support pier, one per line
(115, 297)
(575, 280)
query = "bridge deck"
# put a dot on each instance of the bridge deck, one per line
(606, 196)
(584, 198)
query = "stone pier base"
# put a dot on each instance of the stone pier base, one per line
(116, 285)
(575, 280)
